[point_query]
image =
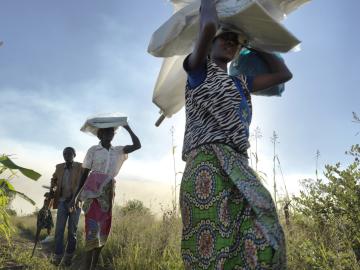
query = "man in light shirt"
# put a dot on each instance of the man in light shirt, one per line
(64, 183)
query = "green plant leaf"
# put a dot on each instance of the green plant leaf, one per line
(9, 189)
(8, 163)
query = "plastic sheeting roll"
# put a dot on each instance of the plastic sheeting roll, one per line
(262, 28)
(277, 8)
(169, 92)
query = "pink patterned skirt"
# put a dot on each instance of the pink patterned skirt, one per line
(97, 226)
(97, 198)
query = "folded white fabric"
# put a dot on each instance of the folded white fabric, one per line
(262, 28)
(175, 38)
(107, 120)
(278, 9)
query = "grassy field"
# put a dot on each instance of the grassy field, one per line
(139, 240)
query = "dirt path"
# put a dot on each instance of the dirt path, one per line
(21, 246)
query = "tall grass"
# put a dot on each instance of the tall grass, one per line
(311, 247)
(138, 240)
(141, 241)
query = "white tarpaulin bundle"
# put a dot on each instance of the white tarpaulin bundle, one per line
(106, 120)
(259, 20)
(277, 8)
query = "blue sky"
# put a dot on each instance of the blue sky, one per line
(63, 61)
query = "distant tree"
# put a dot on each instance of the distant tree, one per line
(135, 206)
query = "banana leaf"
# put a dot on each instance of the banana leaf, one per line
(8, 163)
(9, 189)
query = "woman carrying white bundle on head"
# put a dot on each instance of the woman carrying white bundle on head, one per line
(101, 165)
(229, 218)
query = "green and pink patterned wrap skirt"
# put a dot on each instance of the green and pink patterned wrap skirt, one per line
(229, 217)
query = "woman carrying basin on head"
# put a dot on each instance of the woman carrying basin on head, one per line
(229, 218)
(101, 165)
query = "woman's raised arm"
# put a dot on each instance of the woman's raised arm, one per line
(208, 27)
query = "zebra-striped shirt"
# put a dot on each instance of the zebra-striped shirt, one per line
(213, 113)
